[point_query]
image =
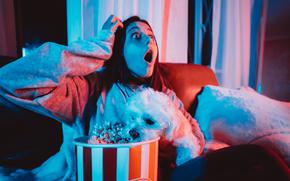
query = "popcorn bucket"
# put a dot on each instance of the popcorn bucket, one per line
(120, 162)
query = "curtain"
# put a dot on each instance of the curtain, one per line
(231, 42)
(168, 18)
(8, 46)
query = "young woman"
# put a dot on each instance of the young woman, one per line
(82, 85)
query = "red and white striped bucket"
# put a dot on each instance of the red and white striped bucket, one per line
(120, 162)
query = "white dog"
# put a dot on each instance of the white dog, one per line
(154, 114)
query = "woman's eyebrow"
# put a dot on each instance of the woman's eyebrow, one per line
(136, 27)
(132, 28)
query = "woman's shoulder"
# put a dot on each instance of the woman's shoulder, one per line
(172, 95)
(169, 92)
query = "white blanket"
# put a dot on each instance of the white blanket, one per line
(243, 116)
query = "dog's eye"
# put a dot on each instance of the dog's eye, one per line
(149, 121)
(134, 134)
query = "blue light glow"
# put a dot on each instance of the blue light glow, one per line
(259, 88)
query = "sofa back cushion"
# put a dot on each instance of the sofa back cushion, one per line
(187, 80)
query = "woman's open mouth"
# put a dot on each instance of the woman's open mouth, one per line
(148, 56)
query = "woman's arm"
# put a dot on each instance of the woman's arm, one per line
(52, 80)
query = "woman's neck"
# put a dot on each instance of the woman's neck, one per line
(137, 81)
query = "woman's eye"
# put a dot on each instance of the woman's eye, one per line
(136, 35)
(151, 36)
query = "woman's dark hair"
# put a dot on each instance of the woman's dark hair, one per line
(116, 69)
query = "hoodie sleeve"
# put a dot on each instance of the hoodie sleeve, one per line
(52, 80)
(194, 124)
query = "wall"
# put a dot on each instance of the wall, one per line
(7, 29)
(276, 65)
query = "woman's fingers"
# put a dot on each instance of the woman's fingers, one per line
(112, 23)
(106, 25)
(109, 20)
(116, 24)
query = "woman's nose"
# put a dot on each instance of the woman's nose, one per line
(148, 39)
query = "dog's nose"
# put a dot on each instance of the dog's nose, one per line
(149, 121)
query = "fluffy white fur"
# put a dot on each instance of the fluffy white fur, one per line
(168, 121)
(233, 117)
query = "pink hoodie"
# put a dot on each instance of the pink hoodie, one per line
(56, 81)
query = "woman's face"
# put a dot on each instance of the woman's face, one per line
(140, 49)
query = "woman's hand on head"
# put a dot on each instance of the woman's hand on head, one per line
(112, 23)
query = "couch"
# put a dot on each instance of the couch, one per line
(21, 129)
(22, 145)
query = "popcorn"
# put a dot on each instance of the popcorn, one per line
(113, 134)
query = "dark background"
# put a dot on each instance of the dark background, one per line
(35, 22)
(40, 21)
(27, 139)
